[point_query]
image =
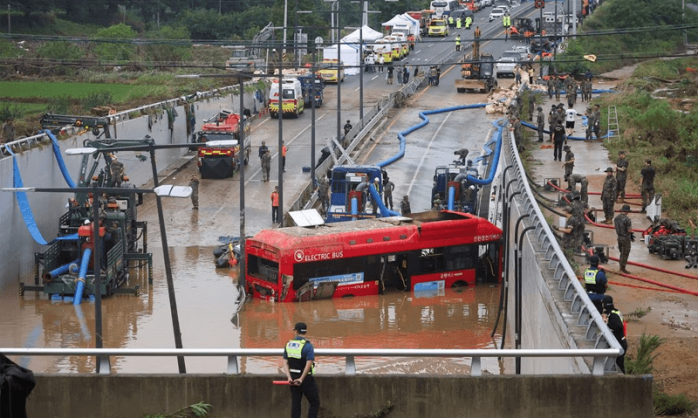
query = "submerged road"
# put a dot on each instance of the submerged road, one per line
(205, 295)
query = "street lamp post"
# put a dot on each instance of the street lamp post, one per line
(280, 116)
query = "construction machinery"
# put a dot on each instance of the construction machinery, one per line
(219, 161)
(452, 190)
(66, 267)
(242, 60)
(54, 123)
(522, 27)
(350, 187)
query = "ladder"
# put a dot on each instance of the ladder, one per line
(613, 126)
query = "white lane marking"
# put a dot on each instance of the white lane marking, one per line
(424, 154)
(259, 170)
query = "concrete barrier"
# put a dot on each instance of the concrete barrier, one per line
(78, 396)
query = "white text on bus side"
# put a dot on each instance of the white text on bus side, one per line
(300, 256)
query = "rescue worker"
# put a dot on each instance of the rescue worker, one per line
(275, 205)
(568, 165)
(263, 149)
(405, 74)
(323, 194)
(284, 149)
(551, 121)
(551, 86)
(570, 114)
(540, 120)
(558, 88)
(451, 24)
(405, 205)
(194, 184)
(572, 181)
(299, 367)
(388, 188)
(568, 241)
(458, 42)
(266, 165)
(597, 121)
(615, 322)
(381, 62)
(647, 184)
(116, 169)
(436, 204)
(595, 282)
(347, 128)
(621, 174)
(608, 195)
(558, 139)
(458, 23)
(432, 76)
(468, 22)
(477, 32)
(506, 22)
(390, 74)
(531, 104)
(590, 123)
(624, 231)
(462, 154)
(374, 203)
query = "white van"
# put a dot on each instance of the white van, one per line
(292, 97)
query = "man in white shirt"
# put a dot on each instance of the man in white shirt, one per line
(570, 114)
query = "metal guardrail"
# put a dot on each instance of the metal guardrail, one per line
(350, 355)
(575, 297)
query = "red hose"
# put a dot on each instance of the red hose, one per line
(627, 196)
(608, 226)
(642, 287)
(678, 289)
(676, 273)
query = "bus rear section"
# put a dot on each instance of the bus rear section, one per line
(425, 252)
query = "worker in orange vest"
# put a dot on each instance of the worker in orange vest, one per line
(284, 148)
(275, 205)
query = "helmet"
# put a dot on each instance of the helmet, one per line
(608, 170)
(376, 180)
(625, 208)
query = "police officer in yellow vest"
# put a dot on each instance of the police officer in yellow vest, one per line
(458, 42)
(299, 366)
(468, 22)
(450, 22)
(458, 23)
(595, 282)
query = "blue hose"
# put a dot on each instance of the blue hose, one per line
(58, 271)
(385, 212)
(80, 281)
(451, 197)
(354, 208)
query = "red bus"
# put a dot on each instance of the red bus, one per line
(421, 252)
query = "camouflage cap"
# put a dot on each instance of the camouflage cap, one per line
(608, 170)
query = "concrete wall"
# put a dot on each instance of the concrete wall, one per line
(38, 168)
(77, 396)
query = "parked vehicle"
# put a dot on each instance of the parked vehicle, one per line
(496, 13)
(505, 67)
(291, 96)
(331, 70)
(438, 27)
(242, 61)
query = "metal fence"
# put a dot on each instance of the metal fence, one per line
(350, 355)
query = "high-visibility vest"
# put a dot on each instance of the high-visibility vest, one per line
(294, 350)
(274, 199)
(590, 280)
(458, 41)
(625, 325)
(283, 151)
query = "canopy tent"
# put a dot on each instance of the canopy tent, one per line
(351, 57)
(368, 35)
(403, 19)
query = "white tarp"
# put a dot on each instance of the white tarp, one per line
(350, 56)
(404, 19)
(368, 35)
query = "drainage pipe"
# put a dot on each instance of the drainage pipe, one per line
(385, 212)
(58, 271)
(451, 197)
(80, 281)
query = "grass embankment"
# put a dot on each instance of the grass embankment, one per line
(662, 129)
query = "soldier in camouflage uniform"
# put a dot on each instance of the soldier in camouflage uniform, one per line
(568, 165)
(583, 190)
(608, 195)
(647, 187)
(590, 123)
(625, 234)
(621, 174)
(194, 184)
(569, 237)
(323, 194)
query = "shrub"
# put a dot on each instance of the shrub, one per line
(60, 51)
(106, 50)
(665, 404)
(643, 363)
(101, 98)
(60, 104)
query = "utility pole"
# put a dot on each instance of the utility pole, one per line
(9, 21)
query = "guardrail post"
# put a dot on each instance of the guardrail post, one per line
(598, 368)
(103, 366)
(351, 366)
(476, 367)
(233, 365)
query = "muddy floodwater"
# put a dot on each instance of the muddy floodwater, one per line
(205, 299)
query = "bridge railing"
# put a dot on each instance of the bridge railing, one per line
(575, 306)
(350, 355)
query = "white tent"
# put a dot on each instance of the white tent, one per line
(350, 57)
(404, 19)
(369, 35)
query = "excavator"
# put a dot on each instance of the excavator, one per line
(478, 72)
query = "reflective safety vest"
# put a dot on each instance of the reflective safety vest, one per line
(458, 41)
(590, 280)
(458, 23)
(450, 20)
(274, 199)
(625, 326)
(296, 363)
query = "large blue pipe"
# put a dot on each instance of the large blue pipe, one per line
(354, 208)
(451, 197)
(80, 281)
(58, 271)
(385, 212)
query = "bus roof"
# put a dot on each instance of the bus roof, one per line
(443, 227)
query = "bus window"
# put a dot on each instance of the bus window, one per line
(431, 260)
(262, 268)
(344, 270)
(461, 257)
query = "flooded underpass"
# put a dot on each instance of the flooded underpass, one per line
(206, 306)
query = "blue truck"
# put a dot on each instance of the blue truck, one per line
(349, 193)
(307, 82)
